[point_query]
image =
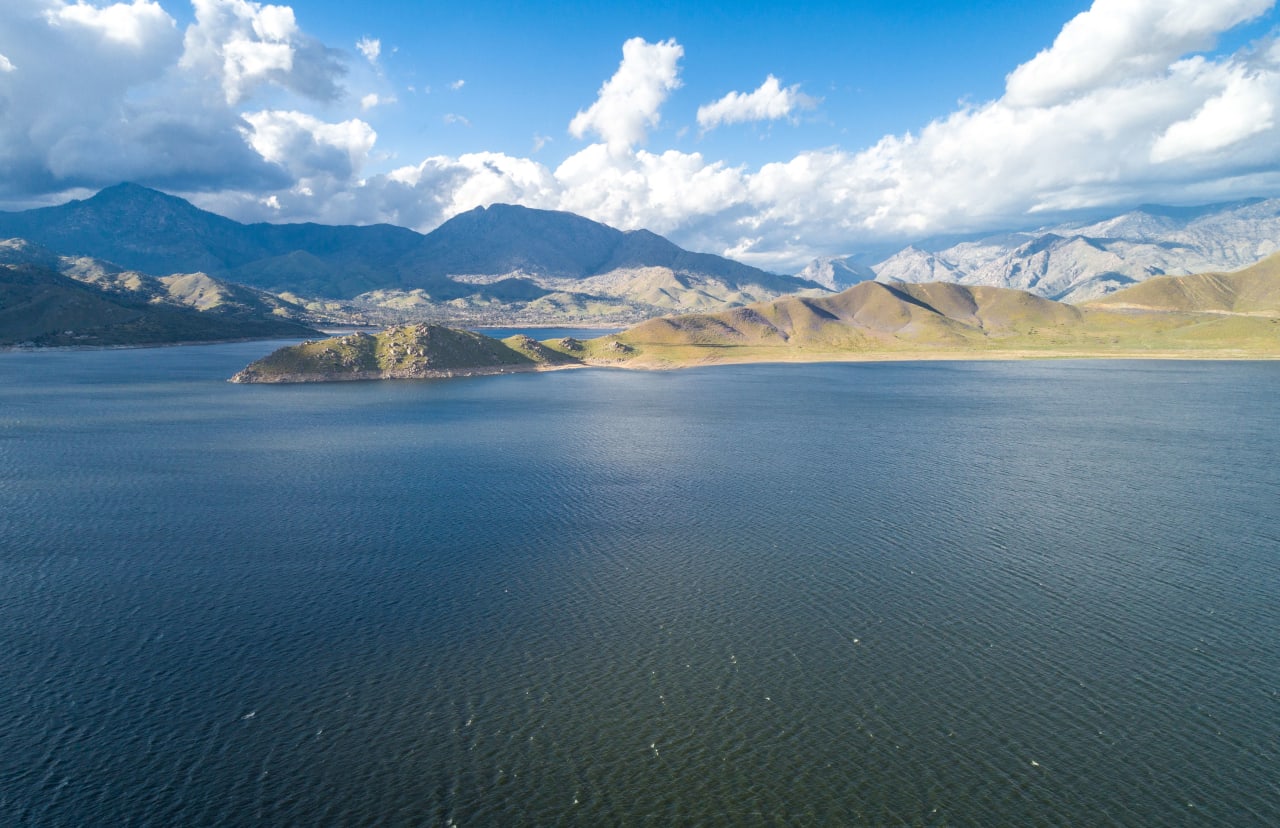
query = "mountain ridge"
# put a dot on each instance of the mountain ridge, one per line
(1079, 261)
(48, 299)
(152, 232)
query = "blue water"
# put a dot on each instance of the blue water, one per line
(1037, 593)
(543, 334)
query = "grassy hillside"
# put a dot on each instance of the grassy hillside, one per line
(942, 320)
(1253, 290)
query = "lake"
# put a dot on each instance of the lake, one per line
(1019, 593)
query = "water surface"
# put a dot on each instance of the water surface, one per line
(951, 594)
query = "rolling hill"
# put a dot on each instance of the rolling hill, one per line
(1252, 291)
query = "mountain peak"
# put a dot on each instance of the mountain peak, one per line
(136, 194)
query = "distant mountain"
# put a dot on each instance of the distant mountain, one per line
(836, 273)
(1080, 261)
(47, 299)
(503, 255)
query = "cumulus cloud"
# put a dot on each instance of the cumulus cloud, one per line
(370, 47)
(458, 84)
(6, 65)
(1245, 107)
(768, 103)
(114, 91)
(628, 104)
(454, 119)
(133, 25)
(245, 45)
(307, 146)
(1118, 40)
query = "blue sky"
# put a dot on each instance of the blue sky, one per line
(770, 132)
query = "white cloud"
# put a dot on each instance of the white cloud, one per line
(768, 103)
(458, 84)
(244, 45)
(373, 99)
(370, 47)
(133, 25)
(1118, 40)
(1245, 107)
(455, 119)
(628, 104)
(307, 146)
(6, 65)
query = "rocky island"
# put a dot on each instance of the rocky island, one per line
(424, 352)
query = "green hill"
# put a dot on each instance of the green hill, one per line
(1254, 290)
(947, 321)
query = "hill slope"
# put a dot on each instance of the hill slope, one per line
(39, 306)
(942, 319)
(1253, 290)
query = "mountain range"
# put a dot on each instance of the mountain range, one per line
(1217, 315)
(503, 257)
(1080, 261)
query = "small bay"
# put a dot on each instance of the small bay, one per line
(861, 594)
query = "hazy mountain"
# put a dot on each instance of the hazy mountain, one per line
(835, 273)
(1081, 261)
(496, 256)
